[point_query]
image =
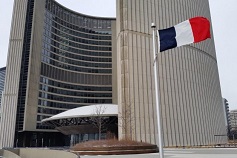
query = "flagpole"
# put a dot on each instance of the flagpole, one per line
(157, 93)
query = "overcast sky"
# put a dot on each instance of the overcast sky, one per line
(224, 22)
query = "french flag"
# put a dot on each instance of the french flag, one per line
(190, 31)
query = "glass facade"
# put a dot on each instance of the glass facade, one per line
(79, 138)
(2, 81)
(76, 61)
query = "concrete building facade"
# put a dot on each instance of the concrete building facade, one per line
(233, 122)
(190, 95)
(59, 59)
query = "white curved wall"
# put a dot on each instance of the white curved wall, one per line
(190, 95)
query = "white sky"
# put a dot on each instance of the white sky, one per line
(224, 21)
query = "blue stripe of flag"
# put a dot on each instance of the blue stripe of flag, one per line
(167, 39)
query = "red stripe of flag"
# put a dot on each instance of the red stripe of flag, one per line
(201, 28)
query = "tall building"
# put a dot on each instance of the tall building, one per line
(59, 59)
(2, 82)
(227, 116)
(233, 124)
(190, 94)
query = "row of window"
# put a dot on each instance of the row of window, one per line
(50, 82)
(73, 100)
(61, 57)
(80, 54)
(67, 101)
(47, 111)
(72, 29)
(53, 48)
(53, 104)
(73, 77)
(79, 37)
(55, 90)
(59, 91)
(65, 65)
(81, 33)
(79, 138)
(65, 43)
(60, 29)
(2, 80)
(77, 19)
(83, 28)
(43, 126)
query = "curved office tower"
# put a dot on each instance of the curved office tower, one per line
(58, 60)
(190, 95)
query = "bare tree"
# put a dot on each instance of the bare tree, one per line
(98, 120)
(127, 121)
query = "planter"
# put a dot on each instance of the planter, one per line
(117, 150)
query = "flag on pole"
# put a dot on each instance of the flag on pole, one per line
(190, 31)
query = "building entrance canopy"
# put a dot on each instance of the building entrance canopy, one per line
(79, 120)
(86, 111)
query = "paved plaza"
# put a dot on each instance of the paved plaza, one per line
(183, 153)
(201, 153)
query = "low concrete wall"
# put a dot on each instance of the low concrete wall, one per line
(45, 153)
(16, 151)
(8, 154)
(152, 155)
